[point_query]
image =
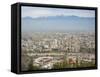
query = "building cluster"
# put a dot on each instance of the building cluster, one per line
(72, 46)
(69, 42)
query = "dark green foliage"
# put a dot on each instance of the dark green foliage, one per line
(60, 65)
(32, 67)
(86, 64)
(76, 65)
(87, 50)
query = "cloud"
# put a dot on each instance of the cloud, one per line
(44, 12)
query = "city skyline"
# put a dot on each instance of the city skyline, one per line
(57, 38)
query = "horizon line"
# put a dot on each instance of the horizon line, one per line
(56, 16)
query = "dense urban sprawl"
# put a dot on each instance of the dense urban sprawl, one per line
(52, 50)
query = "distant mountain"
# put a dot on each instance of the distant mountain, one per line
(27, 17)
(58, 23)
(56, 17)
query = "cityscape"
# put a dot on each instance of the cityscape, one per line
(53, 38)
(57, 50)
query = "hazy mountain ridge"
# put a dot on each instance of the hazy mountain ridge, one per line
(60, 16)
(58, 23)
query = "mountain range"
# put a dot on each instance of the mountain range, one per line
(58, 23)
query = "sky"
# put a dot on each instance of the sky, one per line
(84, 22)
(35, 12)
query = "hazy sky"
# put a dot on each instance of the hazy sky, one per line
(57, 24)
(41, 12)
